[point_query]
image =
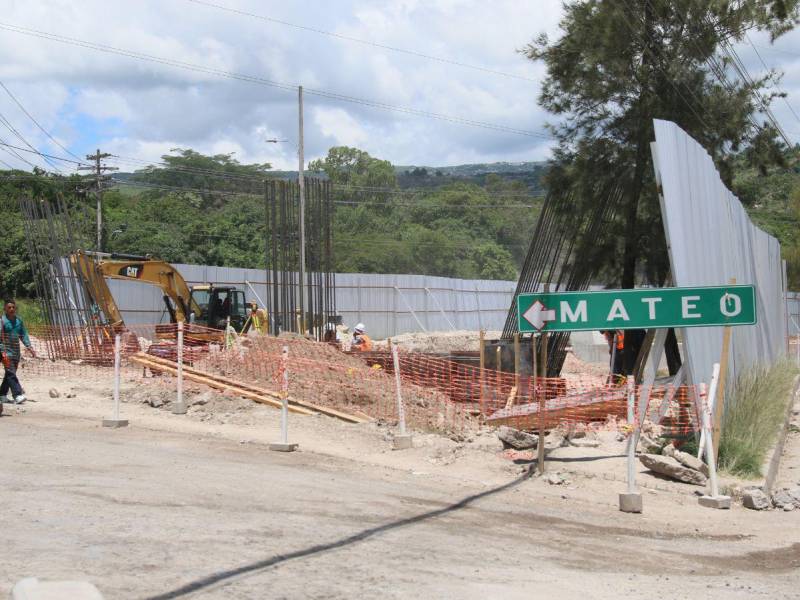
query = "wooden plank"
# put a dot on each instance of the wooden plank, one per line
(331, 412)
(719, 401)
(512, 396)
(219, 386)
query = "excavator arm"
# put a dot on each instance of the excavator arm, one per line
(94, 270)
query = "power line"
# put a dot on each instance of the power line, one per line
(34, 151)
(13, 130)
(12, 150)
(764, 64)
(362, 41)
(43, 130)
(275, 84)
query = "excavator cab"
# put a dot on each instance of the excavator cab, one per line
(217, 303)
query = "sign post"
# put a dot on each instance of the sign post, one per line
(651, 308)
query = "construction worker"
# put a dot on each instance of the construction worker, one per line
(12, 329)
(361, 341)
(331, 335)
(258, 317)
(616, 349)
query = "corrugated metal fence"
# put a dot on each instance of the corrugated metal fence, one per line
(386, 304)
(711, 239)
(793, 312)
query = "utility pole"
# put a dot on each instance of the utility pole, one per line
(302, 187)
(99, 179)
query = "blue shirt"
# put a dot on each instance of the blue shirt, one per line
(12, 331)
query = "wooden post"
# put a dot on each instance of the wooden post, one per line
(498, 357)
(481, 347)
(719, 400)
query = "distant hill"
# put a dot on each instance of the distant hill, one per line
(408, 176)
(529, 173)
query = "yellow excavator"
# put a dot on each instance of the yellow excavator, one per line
(209, 306)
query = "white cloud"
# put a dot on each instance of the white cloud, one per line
(91, 99)
(340, 127)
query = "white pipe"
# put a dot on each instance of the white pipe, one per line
(711, 460)
(180, 363)
(632, 437)
(255, 293)
(401, 413)
(285, 397)
(117, 352)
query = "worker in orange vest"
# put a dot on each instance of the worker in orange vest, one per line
(616, 348)
(361, 341)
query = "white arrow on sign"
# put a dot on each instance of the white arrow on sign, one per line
(538, 315)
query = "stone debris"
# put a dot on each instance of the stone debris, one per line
(555, 479)
(686, 459)
(648, 445)
(787, 497)
(54, 393)
(516, 439)
(668, 466)
(584, 443)
(755, 499)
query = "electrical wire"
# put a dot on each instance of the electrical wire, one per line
(34, 151)
(13, 130)
(764, 64)
(362, 41)
(42, 129)
(271, 83)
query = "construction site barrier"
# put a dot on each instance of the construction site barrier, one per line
(439, 394)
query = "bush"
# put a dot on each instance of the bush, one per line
(30, 311)
(753, 416)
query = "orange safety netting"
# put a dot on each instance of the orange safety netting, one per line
(438, 394)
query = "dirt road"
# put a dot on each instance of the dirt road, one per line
(158, 514)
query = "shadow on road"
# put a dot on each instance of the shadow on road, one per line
(226, 576)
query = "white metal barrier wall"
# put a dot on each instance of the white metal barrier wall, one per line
(711, 240)
(386, 304)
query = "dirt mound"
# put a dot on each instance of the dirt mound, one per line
(324, 375)
(439, 341)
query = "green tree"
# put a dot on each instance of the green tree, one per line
(190, 169)
(353, 167)
(621, 64)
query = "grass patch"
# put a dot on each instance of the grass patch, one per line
(752, 417)
(31, 311)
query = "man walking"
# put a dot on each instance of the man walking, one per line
(10, 333)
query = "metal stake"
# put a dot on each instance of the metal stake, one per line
(180, 407)
(115, 421)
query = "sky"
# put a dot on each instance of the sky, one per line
(88, 99)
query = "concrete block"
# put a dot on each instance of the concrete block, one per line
(402, 442)
(280, 447)
(179, 408)
(115, 423)
(31, 588)
(631, 503)
(721, 502)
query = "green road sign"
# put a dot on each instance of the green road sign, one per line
(637, 309)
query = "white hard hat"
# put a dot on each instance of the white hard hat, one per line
(359, 328)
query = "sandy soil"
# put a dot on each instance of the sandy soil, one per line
(439, 341)
(197, 505)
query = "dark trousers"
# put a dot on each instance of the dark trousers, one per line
(10, 380)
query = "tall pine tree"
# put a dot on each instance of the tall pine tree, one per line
(622, 63)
